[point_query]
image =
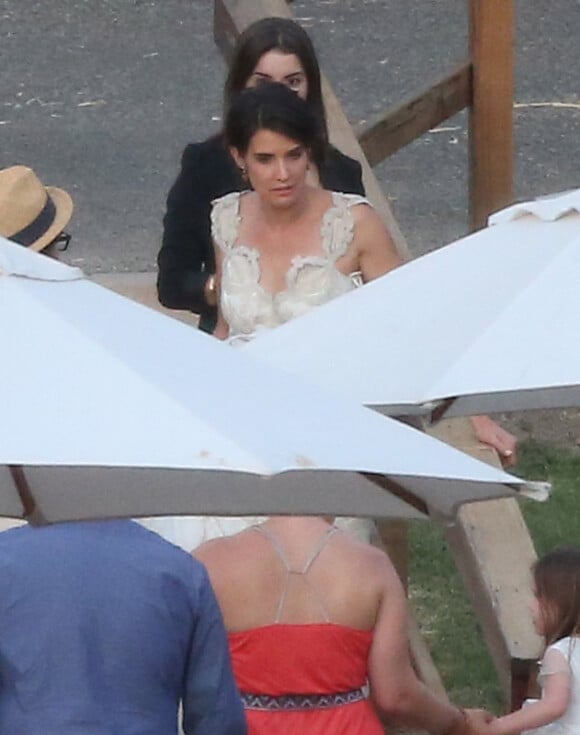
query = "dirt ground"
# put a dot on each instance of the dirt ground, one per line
(560, 427)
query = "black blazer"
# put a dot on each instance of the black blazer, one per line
(186, 258)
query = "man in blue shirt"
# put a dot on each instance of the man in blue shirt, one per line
(105, 628)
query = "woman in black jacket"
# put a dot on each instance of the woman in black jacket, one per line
(272, 49)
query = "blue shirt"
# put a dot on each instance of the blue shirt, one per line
(104, 629)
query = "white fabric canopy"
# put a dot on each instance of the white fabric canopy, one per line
(486, 324)
(112, 409)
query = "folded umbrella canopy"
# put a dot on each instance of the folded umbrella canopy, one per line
(110, 409)
(486, 324)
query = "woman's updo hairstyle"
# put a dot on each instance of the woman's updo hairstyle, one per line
(275, 34)
(274, 107)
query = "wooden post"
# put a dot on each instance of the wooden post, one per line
(490, 118)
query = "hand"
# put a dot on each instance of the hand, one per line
(221, 331)
(491, 433)
(477, 721)
(470, 722)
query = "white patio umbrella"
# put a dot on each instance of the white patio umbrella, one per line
(486, 324)
(110, 409)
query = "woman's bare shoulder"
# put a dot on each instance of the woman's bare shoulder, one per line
(223, 548)
(375, 562)
(365, 215)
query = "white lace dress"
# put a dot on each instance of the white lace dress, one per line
(311, 280)
(248, 307)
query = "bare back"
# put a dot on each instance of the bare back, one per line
(295, 570)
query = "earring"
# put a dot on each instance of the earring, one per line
(244, 173)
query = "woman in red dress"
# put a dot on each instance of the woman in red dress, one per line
(317, 624)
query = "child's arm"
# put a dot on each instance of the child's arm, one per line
(554, 702)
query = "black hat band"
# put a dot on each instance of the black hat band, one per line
(38, 227)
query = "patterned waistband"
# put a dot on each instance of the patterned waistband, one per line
(300, 702)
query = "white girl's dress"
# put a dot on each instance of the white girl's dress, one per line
(248, 308)
(569, 723)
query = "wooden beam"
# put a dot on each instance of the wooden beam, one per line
(400, 125)
(494, 553)
(230, 18)
(491, 117)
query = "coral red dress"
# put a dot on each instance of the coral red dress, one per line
(304, 679)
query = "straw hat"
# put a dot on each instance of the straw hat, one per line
(30, 213)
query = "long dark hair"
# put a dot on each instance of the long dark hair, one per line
(557, 580)
(279, 34)
(272, 106)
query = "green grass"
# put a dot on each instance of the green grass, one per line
(557, 521)
(436, 589)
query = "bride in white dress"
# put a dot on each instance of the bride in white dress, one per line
(283, 248)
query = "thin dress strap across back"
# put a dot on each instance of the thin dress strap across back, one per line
(298, 572)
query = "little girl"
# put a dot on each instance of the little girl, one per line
(556, 616)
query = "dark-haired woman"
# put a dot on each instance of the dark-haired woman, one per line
(287, 246)
(274, 50)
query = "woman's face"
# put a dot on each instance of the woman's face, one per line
(276, 167)
(276, 66)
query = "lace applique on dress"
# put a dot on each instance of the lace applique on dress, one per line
(311, 280)
(337, 228)
(225, 220)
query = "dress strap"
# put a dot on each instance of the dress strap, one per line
(318, 548)
(298, 572)
(337, 229)
(225, 220)
(274, 541)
